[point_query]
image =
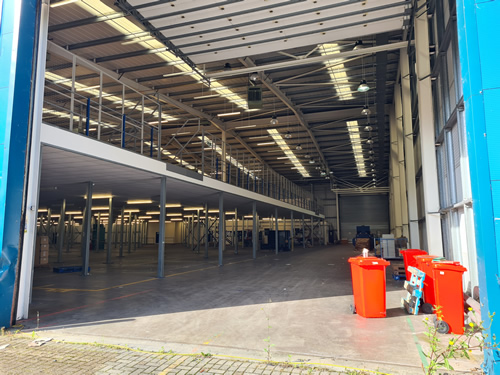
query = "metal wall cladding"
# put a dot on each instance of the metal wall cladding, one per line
(371, 210)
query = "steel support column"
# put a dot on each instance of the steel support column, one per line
(206, 230)
(255, 235)
(292, 232)
(161, 229)
(236, 230)
(122, 230)
(276, 229)
(395, 189)
(222, 228)
(409, 150)
(87, 227)
(60, 234)
(427, 133)
(110, 232)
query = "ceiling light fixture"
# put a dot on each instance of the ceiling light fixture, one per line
(254, 77)
(207, 96)
(358, 45)
(274, 120)
(288, 135)
(266, 143)
(298, 147)
(366, 111)
(63, 2)
(363, 86)
(228, 114)
(140, 201)
(368, 128)
(311, 161)
(245, 126)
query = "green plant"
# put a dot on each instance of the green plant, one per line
(206, 354)
(459, 346)
(267, 349)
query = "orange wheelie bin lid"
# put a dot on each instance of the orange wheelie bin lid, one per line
(368, 285)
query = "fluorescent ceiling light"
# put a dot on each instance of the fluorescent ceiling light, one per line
(213, 211)
(99, 208)
(336, 74)
(63, 2)
(173, 205)
(282, 157)
(228, 114)
(259, 137)
(140, 201)
(175, 214)
(177, 219)
(245, 126)
(145, 217)
(207, 96)
(131, 210)
(156, 122)
(43, 210)
(288, 152)
(154, 221)
(265, 143)
(353, 128)
(192, 208)
(72, 212)
(153, 213)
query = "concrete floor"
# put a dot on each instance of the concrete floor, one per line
(299, 299)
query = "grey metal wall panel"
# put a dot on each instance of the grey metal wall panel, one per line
(372, 210)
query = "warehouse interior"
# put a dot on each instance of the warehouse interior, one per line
(199, 163)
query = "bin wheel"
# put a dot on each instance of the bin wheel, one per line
(353, 309)
(442, 326)
(426, 308)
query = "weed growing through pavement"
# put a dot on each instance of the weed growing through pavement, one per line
(459, 346)
(267, 349)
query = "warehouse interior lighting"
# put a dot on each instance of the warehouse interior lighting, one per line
(153, 213)
(363, 86)
(289, 153)
(193, 208)
(337, 72)
(274, 120)
(72, 212)
(140, 201)
(245, 126)
(132, 210)
(207, 96)
(228, 114)
(365, 111)
(174, 214)
(100, 208)
(63, 2)
(353, 128)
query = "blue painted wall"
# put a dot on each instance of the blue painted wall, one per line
(477, 22)
(16, 89)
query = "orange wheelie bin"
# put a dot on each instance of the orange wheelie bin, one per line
(368, 285)
(409, 259)
(447, 276)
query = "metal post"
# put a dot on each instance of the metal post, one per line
(255, 236)
(159, 130)
(312, 231)
(243, 234)
(222, 230)
(86, 231)
(206, 230)
(135, 232)
(303, 231)
(409, 151)
(110, 231)
(161, 240)
(292, 232)
(276, 230)
(199, 232)
(98, 232)
(72, 100)
(70, 233)
(99, 114)
(427, 135)
(235, 228)
(62, 227)
(129, 233)
(122, 227)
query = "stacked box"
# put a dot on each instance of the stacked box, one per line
(42, 251)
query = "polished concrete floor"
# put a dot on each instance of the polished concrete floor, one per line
(299, 300)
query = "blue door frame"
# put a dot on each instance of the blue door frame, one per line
(17, 61)
(476, 22)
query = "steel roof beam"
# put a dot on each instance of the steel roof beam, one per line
(267, 81)
(381, 76)
(310, 60)
(86, 21)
